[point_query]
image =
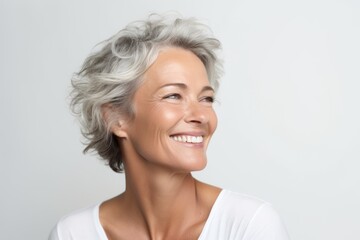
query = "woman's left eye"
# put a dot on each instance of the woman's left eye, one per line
(208, 99)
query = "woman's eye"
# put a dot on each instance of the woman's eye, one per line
(208, 99)
(173, 96)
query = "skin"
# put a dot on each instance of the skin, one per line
(162, 200)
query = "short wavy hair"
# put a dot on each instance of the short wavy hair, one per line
(112, 74)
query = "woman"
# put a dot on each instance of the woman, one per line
(145, 104)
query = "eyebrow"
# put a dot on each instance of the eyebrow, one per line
(184, 86)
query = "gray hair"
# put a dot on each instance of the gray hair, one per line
(111, 75)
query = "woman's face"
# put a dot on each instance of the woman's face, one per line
(173, 113)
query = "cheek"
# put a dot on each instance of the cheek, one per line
(167, 116)
(213, 121)
(171, 114)
(153, 121)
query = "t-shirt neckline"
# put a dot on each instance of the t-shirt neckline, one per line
(101, 231)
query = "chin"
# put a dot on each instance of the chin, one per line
(195, 166)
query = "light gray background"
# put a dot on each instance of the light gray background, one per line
(288, 118)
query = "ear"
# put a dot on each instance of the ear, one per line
(118, 128)
(113, 119)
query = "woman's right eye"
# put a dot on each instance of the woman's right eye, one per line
(173, 96)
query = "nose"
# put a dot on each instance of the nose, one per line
(196, 113)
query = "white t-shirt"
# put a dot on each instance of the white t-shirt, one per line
(233, 216)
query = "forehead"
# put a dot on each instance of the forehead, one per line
(176, 65)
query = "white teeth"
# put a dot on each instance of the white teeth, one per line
(188, 139)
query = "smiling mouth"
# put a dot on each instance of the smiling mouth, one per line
(188, 139)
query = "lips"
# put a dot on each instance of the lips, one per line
(188, 138)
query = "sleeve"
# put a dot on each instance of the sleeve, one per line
(266, 224)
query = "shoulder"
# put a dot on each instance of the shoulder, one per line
(240, 216)
(232, 205)
(81, 224)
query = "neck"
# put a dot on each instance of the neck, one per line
(163, 200)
